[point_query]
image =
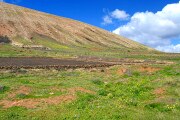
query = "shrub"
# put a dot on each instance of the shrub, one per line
(3, 88)
(4, 39)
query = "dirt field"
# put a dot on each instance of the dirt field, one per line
(46, 63)
(10, 63)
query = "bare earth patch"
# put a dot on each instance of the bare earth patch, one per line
(80, 89)
(121, 71)
(148, 69)
(33, 103)
(159, 91)
(21, 90)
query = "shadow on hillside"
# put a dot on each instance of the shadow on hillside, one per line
(4, 39)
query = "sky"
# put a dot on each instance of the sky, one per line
(155, 23)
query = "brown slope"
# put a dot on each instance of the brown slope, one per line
(18, 22)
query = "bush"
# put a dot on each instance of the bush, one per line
(4, 39)
(3, 88)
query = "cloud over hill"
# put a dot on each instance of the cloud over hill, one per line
(160, 30)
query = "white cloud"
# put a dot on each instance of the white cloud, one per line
(119, 14)
(116, 14)
(170, 48)
(1, 0)
(155, 29)
(107, 20)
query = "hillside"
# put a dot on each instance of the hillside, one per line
(31, 29)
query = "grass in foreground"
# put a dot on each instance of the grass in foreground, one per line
(119, 92)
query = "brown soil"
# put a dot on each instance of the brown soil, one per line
(96, 49)
(80, 89)
(36, 62)
(33, 61)
(159, 91)
(21, 90)
(121, 71)
(33, 103)
(28, 103)
(148, 69)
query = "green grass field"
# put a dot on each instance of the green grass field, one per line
(151, 92)
(59, 51)
(119, 92)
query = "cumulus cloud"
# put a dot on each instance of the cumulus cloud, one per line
(157, 30)
(116, 14)
(107, 20)
(119, 14)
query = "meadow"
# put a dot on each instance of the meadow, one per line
(119, 92)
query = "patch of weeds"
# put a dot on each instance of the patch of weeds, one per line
(136, 74)
(110, 95)
(158, 106)
(109, 85)
(20, 71)
(25, 82)
(128, 73)
(70, 74)
(170, 71)
(132, 102)
(103, 92)
(83, 101)
(61, 84)
(97, 82)
(21, 96)
(3, 89)
(15, 113)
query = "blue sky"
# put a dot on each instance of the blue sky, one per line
(120, 16)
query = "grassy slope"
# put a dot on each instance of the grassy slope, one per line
(117, 96)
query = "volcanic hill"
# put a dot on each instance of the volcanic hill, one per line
(25, 28)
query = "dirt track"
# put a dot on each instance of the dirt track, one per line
(30, 63)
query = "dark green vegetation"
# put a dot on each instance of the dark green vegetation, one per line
(144, 92)
(4, 39)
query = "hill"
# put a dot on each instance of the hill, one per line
(35, 30)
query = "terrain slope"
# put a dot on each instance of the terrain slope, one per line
(26, 28)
